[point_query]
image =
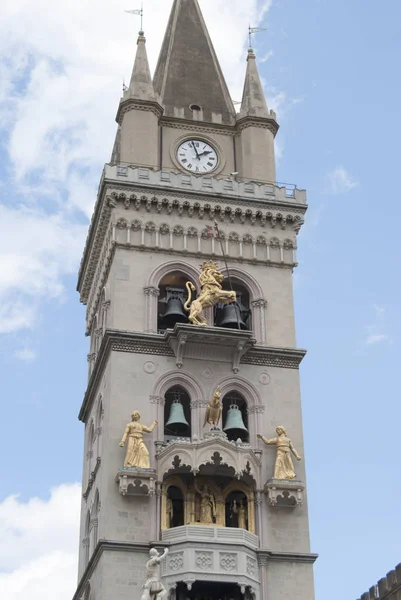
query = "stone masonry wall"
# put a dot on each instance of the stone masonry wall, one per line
(388, 588)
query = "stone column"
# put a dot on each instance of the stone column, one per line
(151, 298)
(259, 320)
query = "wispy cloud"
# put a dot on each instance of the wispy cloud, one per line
(26, 355)
(377, 330)
(340, 181)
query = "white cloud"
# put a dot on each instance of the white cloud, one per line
(26, 355)
(38, 545)
(377, 331)
(340, 181)
(61, 80)
(36, 250)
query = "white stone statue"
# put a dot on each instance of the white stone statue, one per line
(153, 588)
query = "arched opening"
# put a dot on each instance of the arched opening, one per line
(237, 315)
(235, 417)
(175, 507)
(177, 414)
(172, 297)
(237, 510)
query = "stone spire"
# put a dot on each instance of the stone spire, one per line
(141, 86)
(188, 71)
(253, 99)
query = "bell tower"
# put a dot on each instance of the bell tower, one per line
(192, 413)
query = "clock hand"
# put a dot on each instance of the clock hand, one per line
(206, 152)
(196, 151)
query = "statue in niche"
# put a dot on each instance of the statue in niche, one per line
(207, 505)
(284, 467)
(241, 512)
(214, 410)
(137, 454)
(211, 293)
(153, 588)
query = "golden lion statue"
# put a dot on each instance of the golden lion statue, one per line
(211, 293)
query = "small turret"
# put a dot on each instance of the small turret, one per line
(258, 128)
(137, 140)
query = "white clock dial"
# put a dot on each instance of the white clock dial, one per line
(197, 156)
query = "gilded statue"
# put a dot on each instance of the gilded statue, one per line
(211, 293)
(284, 467)
(214, 410)
(169, 513)
(153, 588)
(240, 511)
(207, 505)
(137, 454)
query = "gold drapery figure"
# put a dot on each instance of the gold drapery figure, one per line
(284, 467)
(211, 293)
(207, 505)
(137, 454)
(241, 511)
(214, 409)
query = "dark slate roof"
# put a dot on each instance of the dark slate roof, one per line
(188, 71)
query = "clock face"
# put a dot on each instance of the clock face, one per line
(197, 156)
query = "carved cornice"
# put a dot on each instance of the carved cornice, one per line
(260, 122)
(135, 104)
(157, 345)
(224, 204)
(265, 556)
(198, 126)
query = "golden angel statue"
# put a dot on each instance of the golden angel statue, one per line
(284, 467)
(214, 410)
(137, 454)
(211, 293)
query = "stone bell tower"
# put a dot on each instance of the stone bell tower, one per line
(230, 510)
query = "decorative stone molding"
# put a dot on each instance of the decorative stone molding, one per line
(213, 450)
(204, 561)
(111, 191)
(92, 478)
(176, 561)
(219, 344)
(157, 345)
(136, 482)
(135, 104)
(228, 561)
(283, 493)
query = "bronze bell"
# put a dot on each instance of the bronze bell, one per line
(175, 312)
(177, 423)
(232, 317)
(234, 422)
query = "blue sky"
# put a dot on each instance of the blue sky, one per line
(330, 69)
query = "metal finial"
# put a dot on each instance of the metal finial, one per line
(253, 30)
(139, 12)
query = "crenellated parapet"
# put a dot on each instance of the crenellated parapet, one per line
(387, 588)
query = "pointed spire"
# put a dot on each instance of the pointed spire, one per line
(253, 99)
(188, 71)
(141, 86)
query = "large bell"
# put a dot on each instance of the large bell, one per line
(232, 317)
(235, 423)
(175, 313)
(177, 423)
